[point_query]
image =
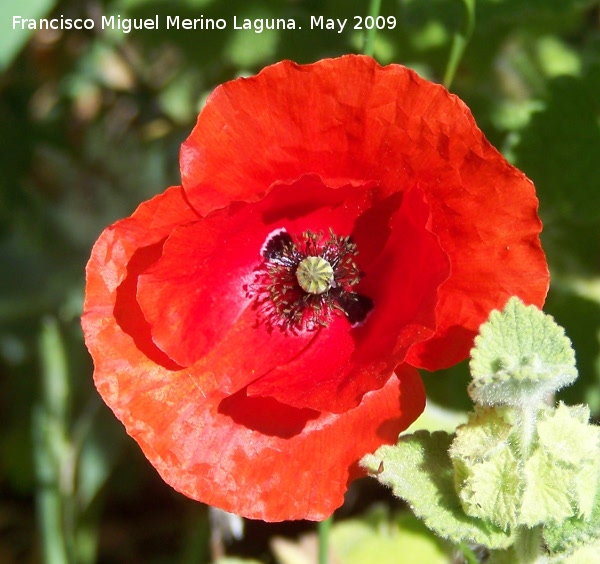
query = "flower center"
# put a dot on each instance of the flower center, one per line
(314, 275)
(305, 280)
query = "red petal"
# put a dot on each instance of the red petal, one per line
(381, 136)
(119, 256)
(350, 119)
(345, 118)
(492, 239)
(341, 364)
(251, 456)
(196, 294)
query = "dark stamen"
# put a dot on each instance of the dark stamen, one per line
(274, 248)
(355, 306)
(307, 279)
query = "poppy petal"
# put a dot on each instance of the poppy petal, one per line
(254, 456)
(246, 406)
(492, 259)
(206, 267)
(351, 120)
(119, 256)
(341, 365)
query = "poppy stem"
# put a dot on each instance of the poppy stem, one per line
(369, 46)
(324, 529)
(459, 42)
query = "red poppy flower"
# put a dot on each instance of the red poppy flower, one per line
(258, 329)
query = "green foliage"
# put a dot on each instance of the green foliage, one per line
(557, 479)
(580, 316)
(486, 470)
(558, 147)
(379, 537)
(11, 40)
(575, 532)
(557, 150)
(72, 459)
(519, 472)
(438, 418)
(234, 560)
(419, 470)
(520, 356)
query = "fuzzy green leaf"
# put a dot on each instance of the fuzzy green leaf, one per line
(485, 431)
(565, 434)
(585, 488)
(576, 531)
(491, 491)
(419, 470)
(571, 447)
(546, 497)
(486, 470)
(521, 355)
(584, 555)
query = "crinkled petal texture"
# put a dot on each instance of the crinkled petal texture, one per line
(349, 119)
(190, 302)
(207, 434)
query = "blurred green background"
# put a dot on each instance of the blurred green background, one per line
(91, 123)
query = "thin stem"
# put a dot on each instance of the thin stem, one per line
(528, 541)
(459, 42)
(369, 47)
(469, 555)
(48, 499)
(52, 450)
(324, 529)
(527, 417)
(528, 544)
